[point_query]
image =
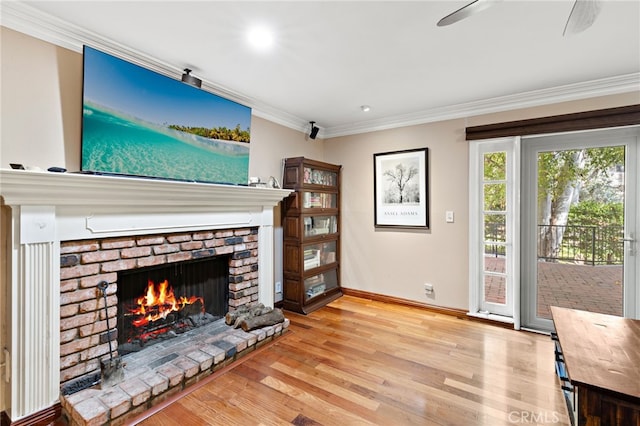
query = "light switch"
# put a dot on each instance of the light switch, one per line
(448, 217)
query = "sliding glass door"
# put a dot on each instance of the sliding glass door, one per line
(579, 224)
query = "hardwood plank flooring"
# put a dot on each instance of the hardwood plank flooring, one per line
(360, 362)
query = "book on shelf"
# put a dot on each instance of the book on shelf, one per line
(311, 258)
(315, 290)
(311, 281)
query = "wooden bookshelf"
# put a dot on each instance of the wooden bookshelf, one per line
(311, 227)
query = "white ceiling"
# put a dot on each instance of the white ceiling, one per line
(331, 57)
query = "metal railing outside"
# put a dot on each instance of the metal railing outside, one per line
(495, 239)
(589, 244)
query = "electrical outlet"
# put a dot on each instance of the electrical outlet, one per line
(428, 288)
(278, 287)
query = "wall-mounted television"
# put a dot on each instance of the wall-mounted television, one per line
(140, 123)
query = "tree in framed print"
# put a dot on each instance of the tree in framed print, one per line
(401, 189)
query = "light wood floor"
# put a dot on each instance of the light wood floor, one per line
(362, 362)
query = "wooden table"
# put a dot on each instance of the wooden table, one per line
(602, 357)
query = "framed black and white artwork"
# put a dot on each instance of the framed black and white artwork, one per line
(401, 189)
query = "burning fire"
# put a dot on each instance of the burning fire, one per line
(159, 302)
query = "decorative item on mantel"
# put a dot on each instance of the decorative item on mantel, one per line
(272, 182)
(250, 317)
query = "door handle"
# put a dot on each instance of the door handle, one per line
(632, 243)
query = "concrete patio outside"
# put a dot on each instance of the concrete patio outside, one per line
(586, 287)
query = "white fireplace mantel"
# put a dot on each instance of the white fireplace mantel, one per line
(23, 187)
(49, 207)
(91, 206)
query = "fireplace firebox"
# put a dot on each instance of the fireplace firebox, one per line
(160, 302)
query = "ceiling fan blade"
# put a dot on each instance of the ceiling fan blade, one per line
(466, 11)
(582, 16)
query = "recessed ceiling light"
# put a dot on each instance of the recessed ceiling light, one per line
(365, 108)
(261, 38)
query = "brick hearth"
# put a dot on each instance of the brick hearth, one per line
(153, 376)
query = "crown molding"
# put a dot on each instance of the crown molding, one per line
(571, 92)
(26, 19)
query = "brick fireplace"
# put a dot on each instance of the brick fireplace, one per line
(85, 263)
(67, 232)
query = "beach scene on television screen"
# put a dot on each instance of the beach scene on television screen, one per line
(138, 122)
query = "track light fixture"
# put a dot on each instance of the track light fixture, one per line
(314, 130)
(189, 79)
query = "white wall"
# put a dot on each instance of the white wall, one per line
(41, 103)
(398, 263)
(270, 143)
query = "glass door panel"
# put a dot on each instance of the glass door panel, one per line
(495, 287)
(495, 282)
(320, 254)
(320, 177)
(324, 200)
(320, 283)
(320, 225)
(577, 199)
(581, 198)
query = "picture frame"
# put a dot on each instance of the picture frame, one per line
(401, 189)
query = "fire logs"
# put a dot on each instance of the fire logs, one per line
(271, 318)
(254, 316)
(195, 308)
(243, 312)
